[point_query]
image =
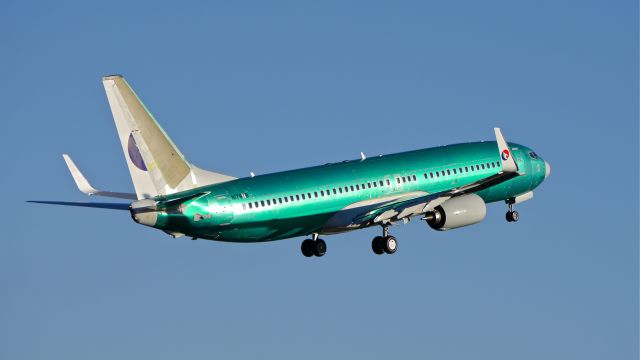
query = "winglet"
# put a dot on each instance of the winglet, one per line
(84, 186)
(506, 157)
(81, 181)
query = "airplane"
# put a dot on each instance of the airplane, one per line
(448, 187)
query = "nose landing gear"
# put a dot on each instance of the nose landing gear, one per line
(512, 215)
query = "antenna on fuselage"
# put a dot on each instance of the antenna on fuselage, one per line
(252, 174)
(362, 157)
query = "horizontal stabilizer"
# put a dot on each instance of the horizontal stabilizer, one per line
(112, 206)
(85, 187)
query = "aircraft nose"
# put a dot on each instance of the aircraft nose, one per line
(547, 169)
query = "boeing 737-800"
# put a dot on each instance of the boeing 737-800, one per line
(447, 186)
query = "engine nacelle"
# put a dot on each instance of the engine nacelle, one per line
(457, 212)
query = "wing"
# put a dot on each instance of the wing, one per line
(404, 208)
(84, 186)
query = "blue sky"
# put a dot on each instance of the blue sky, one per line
(266, 86)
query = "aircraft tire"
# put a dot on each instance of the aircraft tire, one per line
(390, 244)
(307, 247)
(377, 246)
(319, 247)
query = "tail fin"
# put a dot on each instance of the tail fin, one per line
(156, 165)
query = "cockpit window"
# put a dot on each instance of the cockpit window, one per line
(533, 155)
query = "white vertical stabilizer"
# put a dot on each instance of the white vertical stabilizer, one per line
(156, 165)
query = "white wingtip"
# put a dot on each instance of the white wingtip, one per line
(506, 157)
(81, 182)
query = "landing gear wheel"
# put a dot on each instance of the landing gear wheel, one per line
(390, 244)
(319, 247)
(512, 216)
(307, 247)
(377, 245)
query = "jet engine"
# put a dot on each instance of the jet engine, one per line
(457, 212)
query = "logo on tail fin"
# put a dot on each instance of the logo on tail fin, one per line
(505, 154)
(134, 154)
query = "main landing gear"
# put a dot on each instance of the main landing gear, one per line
(315, 246)
(385, 243)
(512, 215)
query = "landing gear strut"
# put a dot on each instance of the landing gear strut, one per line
(512, 215)
(314, 247)
(385, 243)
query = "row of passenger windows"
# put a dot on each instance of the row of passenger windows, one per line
(368, 185)
(472, 168)
(315, 194)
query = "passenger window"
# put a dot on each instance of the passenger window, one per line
(268, 202)
(388, 182)
(425, 176)
(351, 188)
(321, 192)
(328, 192)
(482, 166)
(346, 189)
(250, 206)
(340, 190)
(274, 201)
(398, 180)
(414, 178)
(256, 204)
(309, 195)
(448, 172)
(478, 167)
(431, 175)
(298, 197)
(291, 197)
(466, 169)
(404, 179)
(454, 171)
(334, 191)
(357, 187)
(375, 184)
(363, 187)
(286, 199)
(382, 184)
(279, 200)
(315, 193)
(261, 202)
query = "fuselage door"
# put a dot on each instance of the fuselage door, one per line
(223, 212)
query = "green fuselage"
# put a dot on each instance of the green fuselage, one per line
(310, 200)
